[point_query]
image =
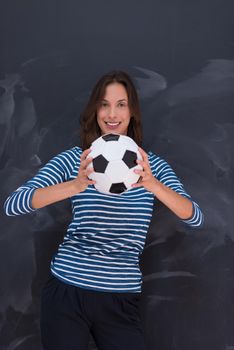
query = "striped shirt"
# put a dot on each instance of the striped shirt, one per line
(106, 236)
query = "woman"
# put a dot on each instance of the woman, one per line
(95, 281)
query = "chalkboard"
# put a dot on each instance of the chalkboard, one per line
(180, 56)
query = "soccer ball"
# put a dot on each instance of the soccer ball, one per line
(114, 160)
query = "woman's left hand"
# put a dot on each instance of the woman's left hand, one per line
(147, 179)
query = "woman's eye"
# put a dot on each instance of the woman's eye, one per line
(104, 104)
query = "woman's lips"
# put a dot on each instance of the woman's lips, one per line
(112, 126)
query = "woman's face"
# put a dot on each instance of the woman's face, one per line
(114, 113)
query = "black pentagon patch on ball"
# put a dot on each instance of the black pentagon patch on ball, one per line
(99, 164)
(130, 158)
(111, 137)
(118, 187)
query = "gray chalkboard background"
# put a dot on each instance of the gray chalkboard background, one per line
(181, 57)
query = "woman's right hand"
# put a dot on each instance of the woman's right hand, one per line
(82, 181)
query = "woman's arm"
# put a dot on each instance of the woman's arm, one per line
(55, 193)
(52, 194)
(162, 181)
(47, 186)
(180, 205)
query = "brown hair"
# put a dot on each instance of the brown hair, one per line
(89, 128)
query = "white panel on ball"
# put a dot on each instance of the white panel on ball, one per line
(98, 147)
(117, 150)
(117, 171)
(129, 143)
(103, 182)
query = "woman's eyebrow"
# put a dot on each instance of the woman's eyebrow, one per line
(117, 101)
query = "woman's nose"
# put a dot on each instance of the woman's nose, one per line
(112, 112)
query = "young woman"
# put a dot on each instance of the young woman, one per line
(95, 281)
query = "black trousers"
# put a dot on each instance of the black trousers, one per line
(69, 314)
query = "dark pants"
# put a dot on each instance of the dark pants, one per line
(69, 314)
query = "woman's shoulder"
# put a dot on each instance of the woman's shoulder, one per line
(157, 163)
(154, 157)
(74, 151)
(70, 155)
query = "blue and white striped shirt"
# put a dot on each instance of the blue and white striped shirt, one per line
(106, 236)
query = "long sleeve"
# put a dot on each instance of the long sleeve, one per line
(166, 175)
(57, 170)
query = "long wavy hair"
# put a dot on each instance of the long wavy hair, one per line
(89, 128)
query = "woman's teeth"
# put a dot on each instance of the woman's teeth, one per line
(112, 124)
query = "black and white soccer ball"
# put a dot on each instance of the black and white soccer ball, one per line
(114, 160)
